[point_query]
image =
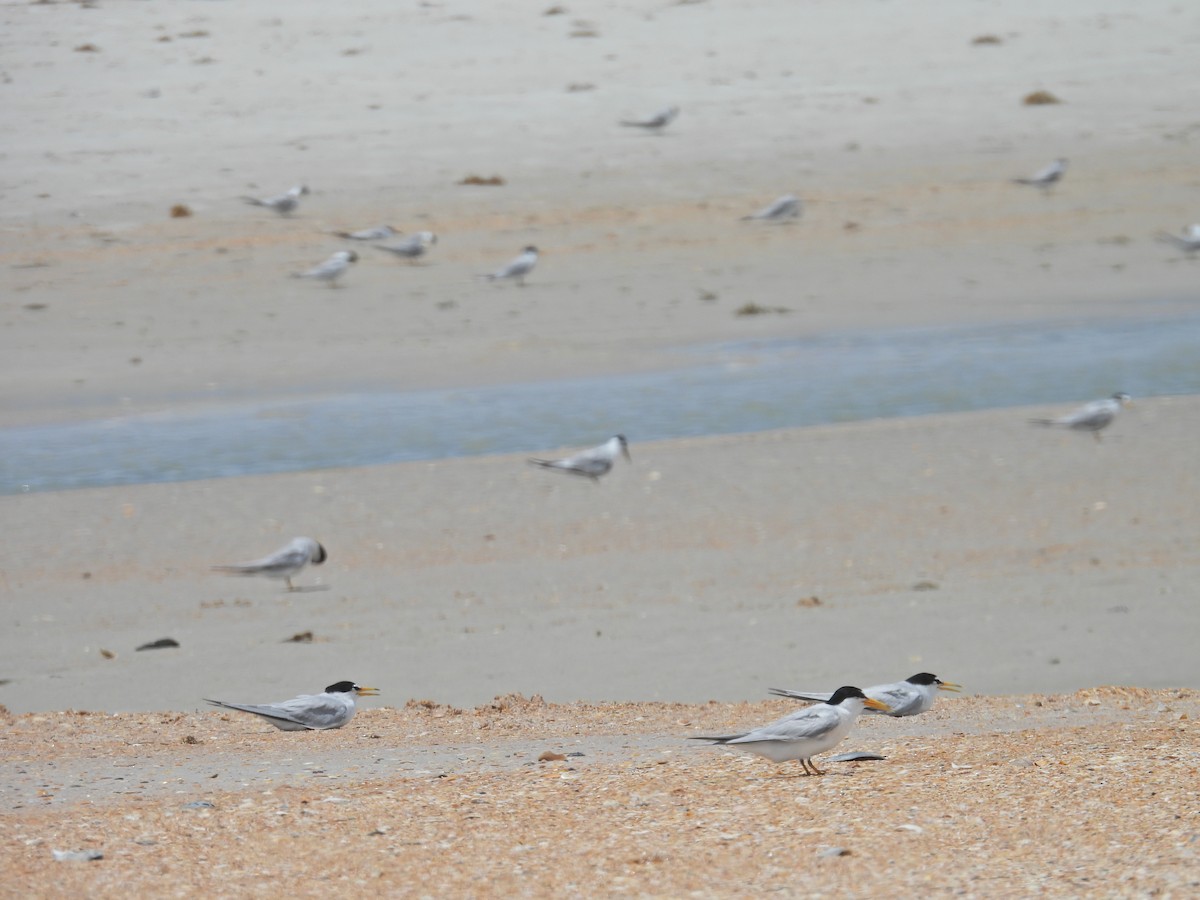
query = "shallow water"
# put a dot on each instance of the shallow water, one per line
(750, 387)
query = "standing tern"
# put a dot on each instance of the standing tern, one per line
(590, 463)
(284, 204)
(378, 233)
(1091, 416)
(910, 697)
(518, 268)
(805, 733)
(309, 712)
(332, 269)
(1047, 177)
(411, 247)
(1188, 241)
(283, 563)
(786, 207)
(656, 122)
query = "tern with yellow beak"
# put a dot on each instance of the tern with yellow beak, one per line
(804, 734)
(909, 697)
(309, 712)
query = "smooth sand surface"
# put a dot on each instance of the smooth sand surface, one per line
(1014, 560)
(1001, 555)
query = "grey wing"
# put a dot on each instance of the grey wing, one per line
(326, 269)
(286, 560)
(316, 711)
(1093, 415)
(589, 462)
(519, 266)
(813, 722)
(900, 699)
(273, 713)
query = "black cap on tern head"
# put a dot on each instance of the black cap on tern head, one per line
(531, 249)
(923, 678)
(342, 687)
(320, 556)
(845, 693)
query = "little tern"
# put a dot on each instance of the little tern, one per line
(910, 697)
(284, 204)
(590, 463)
(1188, 241)
(518, 268)
(378, 233)
(332, 269)
(283, 563)
(1047, 177)
(656, 122)
(805, 733)
(309, 712)
(1092, 416)
(411, 247)
(785, 207)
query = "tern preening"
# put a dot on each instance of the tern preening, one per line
(283, 563)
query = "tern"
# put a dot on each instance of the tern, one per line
(411, 247)
(1092, 416)
(332, 269)
(805, 733)
(656, 122)
(283, 563)
(309, 712)
(284, 204)
(518, 268)
(1188, 241)
(786, 207)
(378, 233)
(909, 697)
(1047, 177)
(590, 463)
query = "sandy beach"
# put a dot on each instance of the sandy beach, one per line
(505, 611)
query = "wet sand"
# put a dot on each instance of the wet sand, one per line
(1016, 561)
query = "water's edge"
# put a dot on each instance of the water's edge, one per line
(754, 386)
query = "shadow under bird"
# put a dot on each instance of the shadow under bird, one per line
(411, 247)
(283, 563)
(518, 268)
(378, 233)
(332, 269)
(332, 708)
(805, 733)
(590, 463)
(656, 122)
(910, 697)
(1093, 417)
(783, 208)
(284, 204)
(1047, 177)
